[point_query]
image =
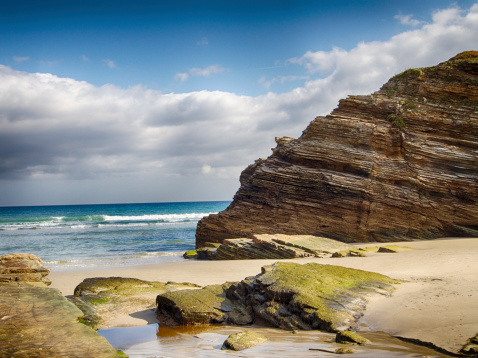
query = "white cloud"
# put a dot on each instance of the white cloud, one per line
(408, 20)
(20, 58)
(181, 77)
(264, 82)
(196, 71)
(109, 63)
(84, 58)
(207, 71)
(62, 129)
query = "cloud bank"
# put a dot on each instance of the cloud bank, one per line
(61, 129)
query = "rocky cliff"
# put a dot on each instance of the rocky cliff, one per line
(399, 164)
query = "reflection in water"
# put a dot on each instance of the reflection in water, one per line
(206, 341)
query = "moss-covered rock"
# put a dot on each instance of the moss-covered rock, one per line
(286, 295)
(393, 248)
(202, 306)
(191, 254)
(471, 347)
(350, 337)
(243, 340)
(102, 299)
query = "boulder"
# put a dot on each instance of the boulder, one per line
(243, 340)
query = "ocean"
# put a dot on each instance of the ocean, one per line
(70, 237)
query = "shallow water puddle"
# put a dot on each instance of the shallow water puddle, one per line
(206, 341)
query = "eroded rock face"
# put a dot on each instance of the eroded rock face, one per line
(23, 267)
(272, 247)
(399, 164)
(285, 295)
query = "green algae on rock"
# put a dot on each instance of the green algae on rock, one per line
(471, 347)
(103, 298)
(285, 295)
(350, 337)
(244, 340)
(37, 321)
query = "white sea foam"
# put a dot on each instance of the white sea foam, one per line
(158, 217)
(103, 221)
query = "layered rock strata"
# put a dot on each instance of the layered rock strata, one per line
(399, 164)
(23, 268)
(272, 247)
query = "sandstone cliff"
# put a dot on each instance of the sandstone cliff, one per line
(399, 164)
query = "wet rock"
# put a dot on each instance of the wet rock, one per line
(37, 321)
(201, 306)
(285, 295)
(350, 337)
(243, 340)
(23, 267)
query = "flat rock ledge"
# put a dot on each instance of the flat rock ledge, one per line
(103, 300)
(285, 295)
(37, 321)
(266, 246)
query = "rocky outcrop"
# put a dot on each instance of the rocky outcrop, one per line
(105, 300)
(272, 247)
(285, 295)
(399, 164)
(37, 321)
(23, 268)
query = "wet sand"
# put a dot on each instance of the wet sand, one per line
(438, 302)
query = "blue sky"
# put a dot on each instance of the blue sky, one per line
(142, 101)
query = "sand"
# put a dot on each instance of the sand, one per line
(437, 303)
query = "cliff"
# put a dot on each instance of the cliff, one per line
(399, 164)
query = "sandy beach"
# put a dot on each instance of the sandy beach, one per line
(437, 303)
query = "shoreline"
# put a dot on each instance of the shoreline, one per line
(437, 303)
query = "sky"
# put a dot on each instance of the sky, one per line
(159, 101)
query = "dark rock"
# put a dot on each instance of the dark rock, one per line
(395, 165)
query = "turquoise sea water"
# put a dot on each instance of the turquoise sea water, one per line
(78, 236)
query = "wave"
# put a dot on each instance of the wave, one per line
(98, 220)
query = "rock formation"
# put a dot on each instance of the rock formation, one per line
(37, 321)
(399, 164)
(104, 300)
(272, 247)
(23, 268)
(285, 295)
